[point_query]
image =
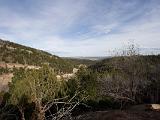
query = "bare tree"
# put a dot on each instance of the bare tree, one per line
(127, 77)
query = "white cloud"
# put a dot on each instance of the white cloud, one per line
(105, 27)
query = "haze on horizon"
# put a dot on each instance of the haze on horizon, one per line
(81, 27)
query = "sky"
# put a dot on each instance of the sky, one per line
(81, 27)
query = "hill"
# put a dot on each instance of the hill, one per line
(78, 61)
(134, 78)
(109, 64)
(19, 54)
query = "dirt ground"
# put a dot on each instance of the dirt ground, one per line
(4, 79)
(120, 115)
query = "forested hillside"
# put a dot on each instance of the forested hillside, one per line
(109, 63)
(77, 61)
(15, 53)
(132, 78)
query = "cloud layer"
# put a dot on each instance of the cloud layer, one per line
(80, 28)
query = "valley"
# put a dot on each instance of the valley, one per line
(119, 88)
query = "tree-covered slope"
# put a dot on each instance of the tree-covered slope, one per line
(110, 63)
(76, 61)
(134, 78)
(15, 53)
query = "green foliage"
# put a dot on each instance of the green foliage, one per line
(34, 84)
(72, 86)
(40, 87)
(4, 70)
(86, 81)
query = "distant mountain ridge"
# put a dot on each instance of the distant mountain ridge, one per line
(15, 53)
(91, 58)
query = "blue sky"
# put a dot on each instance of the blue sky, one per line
(81, 27)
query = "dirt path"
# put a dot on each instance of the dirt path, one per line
(120, 115)
(12, 65)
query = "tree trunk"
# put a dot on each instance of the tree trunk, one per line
(23, 118)
(22, 113)
(40, 113)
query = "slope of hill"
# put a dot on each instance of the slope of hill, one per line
(78, 61)
(15, 53)
(134, 77)
(110, 63)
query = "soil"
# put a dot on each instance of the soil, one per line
(4, 79)
(120, 115)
